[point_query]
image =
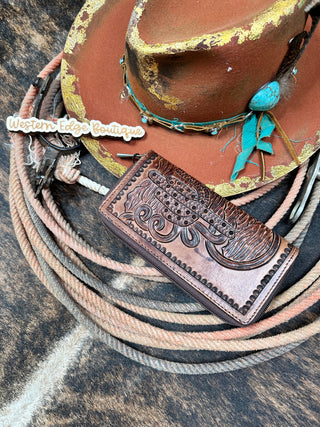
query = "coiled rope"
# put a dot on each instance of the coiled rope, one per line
(52, 247)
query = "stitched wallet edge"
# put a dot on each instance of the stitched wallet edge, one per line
(205, 296)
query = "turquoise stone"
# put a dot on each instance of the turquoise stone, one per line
(266, 98)
(144, 119)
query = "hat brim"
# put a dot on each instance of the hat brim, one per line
(92, 83)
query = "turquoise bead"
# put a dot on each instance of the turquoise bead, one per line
(266, 98)
(144, 119)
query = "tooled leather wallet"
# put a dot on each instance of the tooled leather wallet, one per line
(224, 258)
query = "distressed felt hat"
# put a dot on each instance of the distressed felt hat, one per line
(228, 91)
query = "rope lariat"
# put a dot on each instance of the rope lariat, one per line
(52, 249)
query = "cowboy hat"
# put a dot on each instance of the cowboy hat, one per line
(212, 86)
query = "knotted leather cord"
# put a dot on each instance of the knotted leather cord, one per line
(100, 315)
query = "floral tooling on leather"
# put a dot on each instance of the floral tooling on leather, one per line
(169, 204)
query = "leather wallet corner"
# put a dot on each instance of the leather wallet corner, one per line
(224, 258)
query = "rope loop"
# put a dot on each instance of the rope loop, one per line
(52, 249)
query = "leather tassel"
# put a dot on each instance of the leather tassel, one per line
(285, 138)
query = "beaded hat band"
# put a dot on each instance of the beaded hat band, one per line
(259, 122)
(194, 84)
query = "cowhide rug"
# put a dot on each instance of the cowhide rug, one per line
(52, 371)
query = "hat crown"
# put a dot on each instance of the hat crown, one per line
(169, 21)
(203, 61)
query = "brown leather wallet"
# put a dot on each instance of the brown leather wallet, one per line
(227, 260)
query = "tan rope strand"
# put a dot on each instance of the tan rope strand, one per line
(291, 196)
